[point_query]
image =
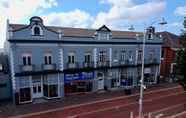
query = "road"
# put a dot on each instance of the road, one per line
(119, 107)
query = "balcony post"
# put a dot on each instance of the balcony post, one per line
(95, 57)
(110, 57)
(61, 59)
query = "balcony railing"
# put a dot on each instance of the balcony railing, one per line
(73, 65)
(151, 61)
(48, 66)
(102, 63)
(27, 67)
(88, 64)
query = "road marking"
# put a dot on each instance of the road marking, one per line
(119, 106)
(177, 115)
(94, 102)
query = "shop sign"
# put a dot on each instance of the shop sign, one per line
(126, 82)
(147, 70)
(79, 76)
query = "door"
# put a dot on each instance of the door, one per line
(100, 83)
(37, 90)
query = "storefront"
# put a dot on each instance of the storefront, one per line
(78, 82)
(40, 86)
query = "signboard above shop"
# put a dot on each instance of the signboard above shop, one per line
(78, 76)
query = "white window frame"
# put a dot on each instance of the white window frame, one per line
(40, 30)
(72, 57)
(26, 55)
(48, 55)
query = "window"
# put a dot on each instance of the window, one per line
(103, 36)
(87, 58)
(102, 56)
(36, 31)
(130, 56)
(26, 60)
(149, 36)
(123, 55)
(140, 55)
(162, 53)
(151, 54)
(48, 59)
(71, 58)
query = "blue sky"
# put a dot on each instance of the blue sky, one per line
(116, 14)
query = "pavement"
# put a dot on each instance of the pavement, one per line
(104, 100)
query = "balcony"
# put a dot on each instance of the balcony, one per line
(27, 68)
(48, 66)
(72, 65)
(151, 61)
(102, 64)
(88, 64)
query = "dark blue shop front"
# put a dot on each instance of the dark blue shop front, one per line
(78, 82)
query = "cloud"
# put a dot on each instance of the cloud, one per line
(17, 10)
(123, 12)
(74, 18)
(176, 24)
(180, 11)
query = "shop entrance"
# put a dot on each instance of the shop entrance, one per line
(37, 91)
(100, 81)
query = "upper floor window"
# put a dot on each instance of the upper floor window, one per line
(48, 59)
(37, 30)
(103, 36)
(26, 59)
(71, 58)
(123, 55)
(151, 54)
(87, 58)
(162, 53)
(139, 55)
(130, 56)
(102, 56)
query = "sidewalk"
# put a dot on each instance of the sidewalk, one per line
(11, 110)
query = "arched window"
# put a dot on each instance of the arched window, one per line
(36, 31)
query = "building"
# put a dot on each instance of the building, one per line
(51, 62)
(5, 81)
(171, 44)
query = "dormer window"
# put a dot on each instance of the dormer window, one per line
(103, 33)
(37, 30)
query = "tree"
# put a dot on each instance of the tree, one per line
(181, 59)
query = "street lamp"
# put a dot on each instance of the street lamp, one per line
(163, 22)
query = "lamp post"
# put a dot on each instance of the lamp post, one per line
(163, 22)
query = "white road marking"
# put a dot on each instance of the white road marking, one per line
(119, 106)
(94, 102)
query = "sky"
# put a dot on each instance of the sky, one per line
(115, 14)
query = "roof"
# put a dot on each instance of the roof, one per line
(82, 32)
(170, 40)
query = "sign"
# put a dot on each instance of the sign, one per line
(78, 76)
(147, 70)
(126, 82)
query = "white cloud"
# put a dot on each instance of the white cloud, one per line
(180, 11)
(126, 11)
(75, 18)
(176, 24)
(17, 10)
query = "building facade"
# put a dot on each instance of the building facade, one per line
(51, 62)
(171, 44)
(5, 81)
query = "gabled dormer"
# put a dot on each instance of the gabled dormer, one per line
(36, 24)
(103, 33)
(150, 33)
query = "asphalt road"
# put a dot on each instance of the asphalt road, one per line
(118, 107)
